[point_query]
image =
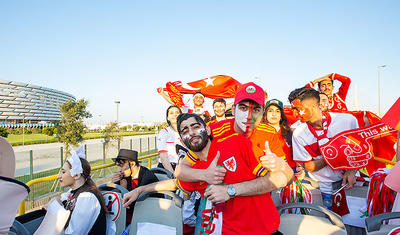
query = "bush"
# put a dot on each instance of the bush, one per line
(28, 131)
(3, 132)
(35, 130)
(48, 131)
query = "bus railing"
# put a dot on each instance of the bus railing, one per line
(21, 209)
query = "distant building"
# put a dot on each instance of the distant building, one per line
(27, 103)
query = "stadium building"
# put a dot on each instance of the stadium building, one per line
(26, 103)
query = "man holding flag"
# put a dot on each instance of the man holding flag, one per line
(315, 131)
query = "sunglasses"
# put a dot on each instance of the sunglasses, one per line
(119, 162)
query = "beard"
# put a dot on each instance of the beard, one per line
(197, 147)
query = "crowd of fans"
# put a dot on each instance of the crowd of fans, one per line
(230, 163)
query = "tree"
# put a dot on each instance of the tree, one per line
(48, 131)
(70, 129)
(3, 132)
(110, 133)
(136, 128)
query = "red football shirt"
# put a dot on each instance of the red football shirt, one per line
(242, 215)
(260, 134)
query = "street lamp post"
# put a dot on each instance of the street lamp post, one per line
(379, 88)
(23, 130)
(117, 102)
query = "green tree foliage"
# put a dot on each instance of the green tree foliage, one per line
(48, 131)
(3, 132)
(110, 133)
(136, 128)
(70, 129)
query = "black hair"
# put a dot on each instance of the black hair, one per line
(170, 107)
(303, 93)
(220, 100)
(184, 116)
(319, 83)
(283, 123)
(88, 186)
(197, 92)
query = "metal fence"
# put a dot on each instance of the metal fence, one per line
(45, 188)
(35, 161)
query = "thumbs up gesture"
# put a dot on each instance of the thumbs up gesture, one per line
(270, 161)
(214, 174)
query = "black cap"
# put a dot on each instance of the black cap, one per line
(127, 154)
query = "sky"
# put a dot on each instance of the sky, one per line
(105, 51)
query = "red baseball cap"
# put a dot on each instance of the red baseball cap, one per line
(250, 91)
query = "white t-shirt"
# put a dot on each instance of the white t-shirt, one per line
(305, 147)
(87, 209)
(167, 139)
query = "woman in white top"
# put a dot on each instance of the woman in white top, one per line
(167, 140)
(84, 200)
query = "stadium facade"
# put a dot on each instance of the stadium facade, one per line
(31, 104)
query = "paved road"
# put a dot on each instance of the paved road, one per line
(48, 156)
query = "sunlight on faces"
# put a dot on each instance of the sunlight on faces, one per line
(65, 178)
(194, 134)
(326, 87)
(124, 168)
(173, 114)
(219, 109)
(302, 110)
(323, 102)
(198, 100)
(247, 115)
(273, 115)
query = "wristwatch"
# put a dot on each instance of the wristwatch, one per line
(231, 191)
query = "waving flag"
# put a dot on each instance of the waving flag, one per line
(219, 86)
(339, 203)
(392, 117)
(355, 149)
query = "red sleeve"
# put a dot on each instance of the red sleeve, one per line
(344, 88)
(188, 187)
(310, 84)
(249, 157)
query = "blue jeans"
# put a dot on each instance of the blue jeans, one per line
(197, 227)
(327, 200)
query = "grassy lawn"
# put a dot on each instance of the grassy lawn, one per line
(16, 140)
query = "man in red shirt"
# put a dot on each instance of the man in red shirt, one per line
(325, 85)
(219, 107)
(248, 111)
(243, 200)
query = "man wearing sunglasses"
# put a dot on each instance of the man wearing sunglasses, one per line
(130, 174)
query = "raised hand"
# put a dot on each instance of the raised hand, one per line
(322, 78)
(116, 177)
(215, 174)
(270, 161)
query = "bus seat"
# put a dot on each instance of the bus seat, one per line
(18, 229)
(30, 221)
(374, 223)
(158, 214)
(309, 224)
(12, 193)
(116, 217)
(162, 174)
